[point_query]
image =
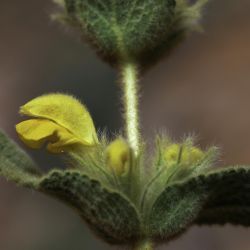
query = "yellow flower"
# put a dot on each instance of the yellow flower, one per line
(118, 156)
(61, 120)
(185, 155)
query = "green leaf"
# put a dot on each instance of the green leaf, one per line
(132, 30)
(175, 209)
(15, 164)
(111, 216)
(229, 197)
(218, 197)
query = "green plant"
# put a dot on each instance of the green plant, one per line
(126, 196)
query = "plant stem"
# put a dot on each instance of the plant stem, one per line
(144, 246)
(130, 88)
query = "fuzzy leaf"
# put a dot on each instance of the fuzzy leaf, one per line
(219, 197)
(137, 30)
(108, 213)
(173, 211)
(229, 197)
(15, 164)
(121, 29)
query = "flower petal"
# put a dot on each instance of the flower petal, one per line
(36, 132)
(65, 111)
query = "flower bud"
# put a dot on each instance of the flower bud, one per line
(179, 153)
(118, 156)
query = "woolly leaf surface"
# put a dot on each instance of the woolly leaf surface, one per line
(218, 197)
(15, 164)
(229, 198)
(141, 31)
(111, 216)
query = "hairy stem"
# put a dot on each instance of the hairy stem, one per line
(144, 246)
(130, 88)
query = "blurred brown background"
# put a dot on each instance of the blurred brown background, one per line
(204, 87)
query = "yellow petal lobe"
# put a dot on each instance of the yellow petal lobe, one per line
(36, 132)
(65, 111)
(118, 156)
